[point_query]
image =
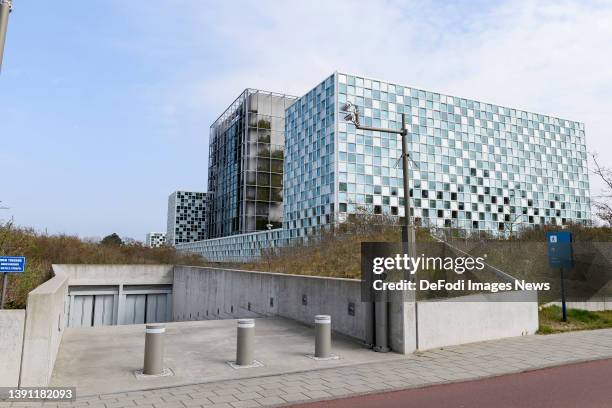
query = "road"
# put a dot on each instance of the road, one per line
(583, 385)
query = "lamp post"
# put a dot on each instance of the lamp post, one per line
(380, 319)
(408, 235)
(5, 8)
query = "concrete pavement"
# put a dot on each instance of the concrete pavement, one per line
(452, 364)
(101, 360)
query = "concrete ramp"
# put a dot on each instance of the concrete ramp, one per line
(103, 359)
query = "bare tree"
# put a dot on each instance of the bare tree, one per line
(603, 202)
(512, 223)
(513, 219)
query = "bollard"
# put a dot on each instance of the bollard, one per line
(154, 349)
(245, 340)
(322, 336)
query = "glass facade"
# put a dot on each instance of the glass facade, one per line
(310, 167)
(245, 171)
(236, 248)
(475, 165)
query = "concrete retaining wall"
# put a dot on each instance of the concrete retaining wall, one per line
(595, 304)
(43, 330)
(11, 341)
(84, 274)
(212, 293)
(476, 318)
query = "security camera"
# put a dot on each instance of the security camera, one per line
(347, 107)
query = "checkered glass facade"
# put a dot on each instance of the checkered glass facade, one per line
(186, 217)
(474, 165)
(310, 161)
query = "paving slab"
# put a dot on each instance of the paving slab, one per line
(457, 363)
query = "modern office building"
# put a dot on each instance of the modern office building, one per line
(245, 168)
(155, 239)
(186, 217)
(475, 166)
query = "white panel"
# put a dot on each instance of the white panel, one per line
(157, 306)
(81, 311)
(134, 309)
(128, 310)
(103, 310)
(75, 312)
(139, 308)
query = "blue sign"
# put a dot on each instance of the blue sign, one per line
(12, 264)
(559, 249)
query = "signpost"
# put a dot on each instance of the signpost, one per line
(10, 264)
(560, 256)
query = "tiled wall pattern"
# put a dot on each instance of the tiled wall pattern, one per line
(475, 165)
(155, 239)
(310, 149)
(186, 217)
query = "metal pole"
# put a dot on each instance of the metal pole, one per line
(322, 336)
(369, 323)
(4, 286)
(154, 349)
(563, 305)
(408, 233)
(405, 235)
(5, 8)
(381, 327)
(408, 236)
(244, 344)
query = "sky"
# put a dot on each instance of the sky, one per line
(106, 105)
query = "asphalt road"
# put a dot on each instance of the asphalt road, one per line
(583, 385)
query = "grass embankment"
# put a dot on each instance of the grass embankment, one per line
(551, 320)
(335, 253)
(42, 250)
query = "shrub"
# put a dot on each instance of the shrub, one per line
(44, 250)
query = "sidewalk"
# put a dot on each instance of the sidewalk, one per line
(458, 363)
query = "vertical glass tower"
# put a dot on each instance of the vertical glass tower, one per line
(245, 168)
(475, 166)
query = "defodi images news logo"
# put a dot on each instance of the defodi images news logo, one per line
(436, 272)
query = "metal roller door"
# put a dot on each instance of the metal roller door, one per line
(91, 310)
(157, 308)
(146, 308)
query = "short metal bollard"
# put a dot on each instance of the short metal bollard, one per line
(245, 342)
(154, 349)
(322, 336)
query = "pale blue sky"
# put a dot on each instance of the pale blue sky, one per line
(106, 105)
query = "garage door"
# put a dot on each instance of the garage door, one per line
(146, 308)
(91, 310)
